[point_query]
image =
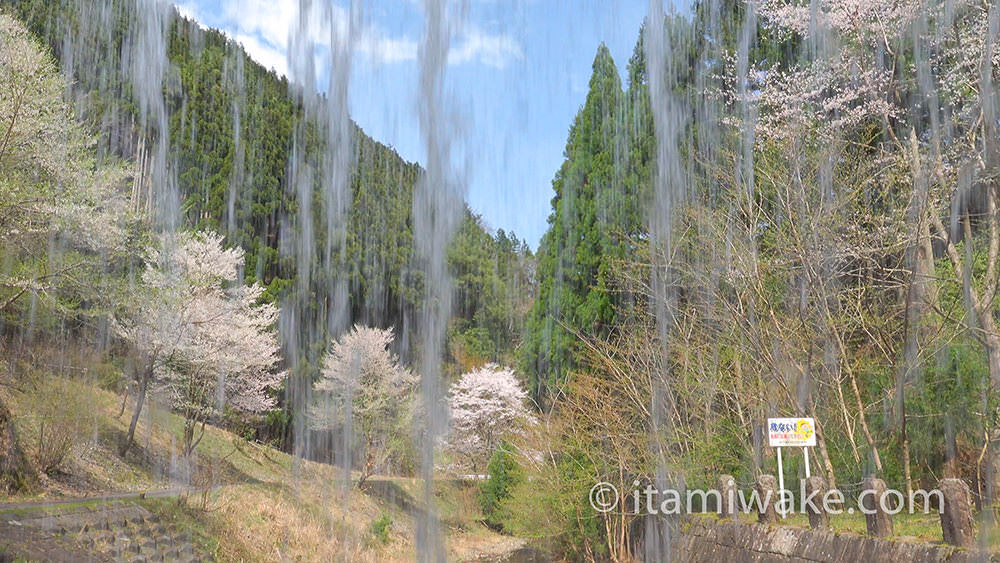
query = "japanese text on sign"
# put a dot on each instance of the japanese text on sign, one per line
(791, 432)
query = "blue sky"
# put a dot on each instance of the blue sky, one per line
(517, 73)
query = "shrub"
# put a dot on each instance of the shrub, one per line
(380, 528)
(551, 504)
(110, 377)
(58, 422)
(504, 475)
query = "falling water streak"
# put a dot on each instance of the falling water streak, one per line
(90, 58)
(820, 48)
(330, 174)
(988, 97)
(911, 368)
(300, 241)
(990, 103)
(748, 111)
(146, 63)
(149, 65)
(817, 294)
(706, 138)
(669, 188)
(744, 174)
(236, 72)
(337, 165)
(437, 206)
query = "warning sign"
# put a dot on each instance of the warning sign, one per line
(791, 432)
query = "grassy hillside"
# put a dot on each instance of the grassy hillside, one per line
(261, 504)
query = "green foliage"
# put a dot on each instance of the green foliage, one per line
(110, 377)
(583, 529)
(494, 288)
(379, 529)
(504, 474)
(943, 408)
(596, 217)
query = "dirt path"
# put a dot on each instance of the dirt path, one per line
(495, 548)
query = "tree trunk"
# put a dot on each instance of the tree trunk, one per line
(992, 345)
(139, 399)
(864, 426)
(121, 410)
(831, 477)
(201, 434)
(369, 467)
(907, 476)
(845, 365)
(920, 295)
(16, 473)
(991, 342)
(862, 417)
(188, 435)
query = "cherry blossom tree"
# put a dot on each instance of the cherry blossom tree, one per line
(486, 404)
(366, 392)
(54, 194)
(202, 340)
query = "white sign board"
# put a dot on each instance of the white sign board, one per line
(791, 432)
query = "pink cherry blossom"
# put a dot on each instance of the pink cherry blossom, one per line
(486, 404)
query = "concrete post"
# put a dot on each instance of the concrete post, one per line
(877, 520)
(729, 502)
(815, 489)
(956, 517)
(767, 497)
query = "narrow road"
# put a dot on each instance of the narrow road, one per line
(134, 495)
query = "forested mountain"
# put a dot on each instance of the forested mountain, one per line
(232, 126)
(590, 281)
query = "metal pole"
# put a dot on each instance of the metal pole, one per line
(806, 450)
(781, 486)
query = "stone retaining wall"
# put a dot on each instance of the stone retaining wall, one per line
(703, 540)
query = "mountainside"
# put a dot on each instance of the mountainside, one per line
(235, 132)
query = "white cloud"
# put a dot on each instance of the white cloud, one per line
(268, 56)
(386, 50)
(271, 20)
(186, 11)
(264, 28)
(492, 50)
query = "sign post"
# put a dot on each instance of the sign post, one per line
(790, 432)
(781, 485)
